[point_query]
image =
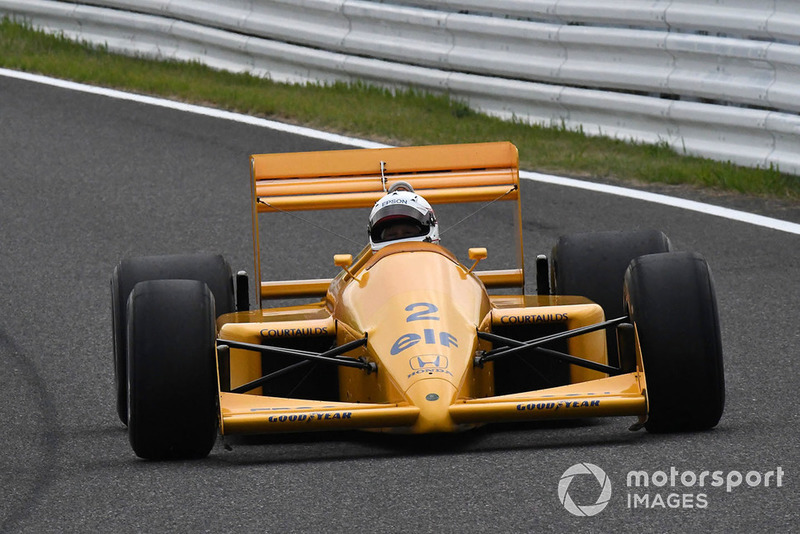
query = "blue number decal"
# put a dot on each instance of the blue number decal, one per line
(422, 315)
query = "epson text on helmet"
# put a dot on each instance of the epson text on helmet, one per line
(394, 201)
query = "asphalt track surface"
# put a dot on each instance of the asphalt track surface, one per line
(87, 180)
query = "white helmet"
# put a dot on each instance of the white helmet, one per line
(401, 215)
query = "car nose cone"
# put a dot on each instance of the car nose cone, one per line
(433, 397)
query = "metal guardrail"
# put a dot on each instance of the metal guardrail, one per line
(573, 63)
(746, 19)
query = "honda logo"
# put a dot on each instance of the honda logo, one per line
(428, 362)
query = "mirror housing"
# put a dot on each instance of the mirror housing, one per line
(342, 260)
(478, 254)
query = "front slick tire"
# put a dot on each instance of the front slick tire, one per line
(172, 377)
(672, 303)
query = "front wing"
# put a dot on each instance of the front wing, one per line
(612, 396)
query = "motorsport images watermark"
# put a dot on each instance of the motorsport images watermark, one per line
(586, 509)
(667, 489)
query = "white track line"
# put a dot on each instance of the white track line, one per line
(691, 205)
(736, 215)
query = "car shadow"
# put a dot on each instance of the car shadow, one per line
(358, 445)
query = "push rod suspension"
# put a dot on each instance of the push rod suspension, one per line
(244, 388)
(514, 346)
(333, 356)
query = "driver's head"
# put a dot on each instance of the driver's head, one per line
(402, 215)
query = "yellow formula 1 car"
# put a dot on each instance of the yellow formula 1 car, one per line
(407, 338)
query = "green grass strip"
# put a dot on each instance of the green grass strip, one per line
(395, 117)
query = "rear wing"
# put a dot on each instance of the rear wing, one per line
(344, 179)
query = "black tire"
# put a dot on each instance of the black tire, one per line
(673, 306)
(172, 372)
(209, 268)
(593, 265)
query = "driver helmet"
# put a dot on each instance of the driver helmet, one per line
(401, 215)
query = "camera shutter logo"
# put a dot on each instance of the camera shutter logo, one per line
(587, 510)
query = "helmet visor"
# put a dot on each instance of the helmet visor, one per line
(398, 222)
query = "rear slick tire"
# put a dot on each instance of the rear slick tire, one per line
(593, 265)
(672, 304)
(172, 372)
(209, 268)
